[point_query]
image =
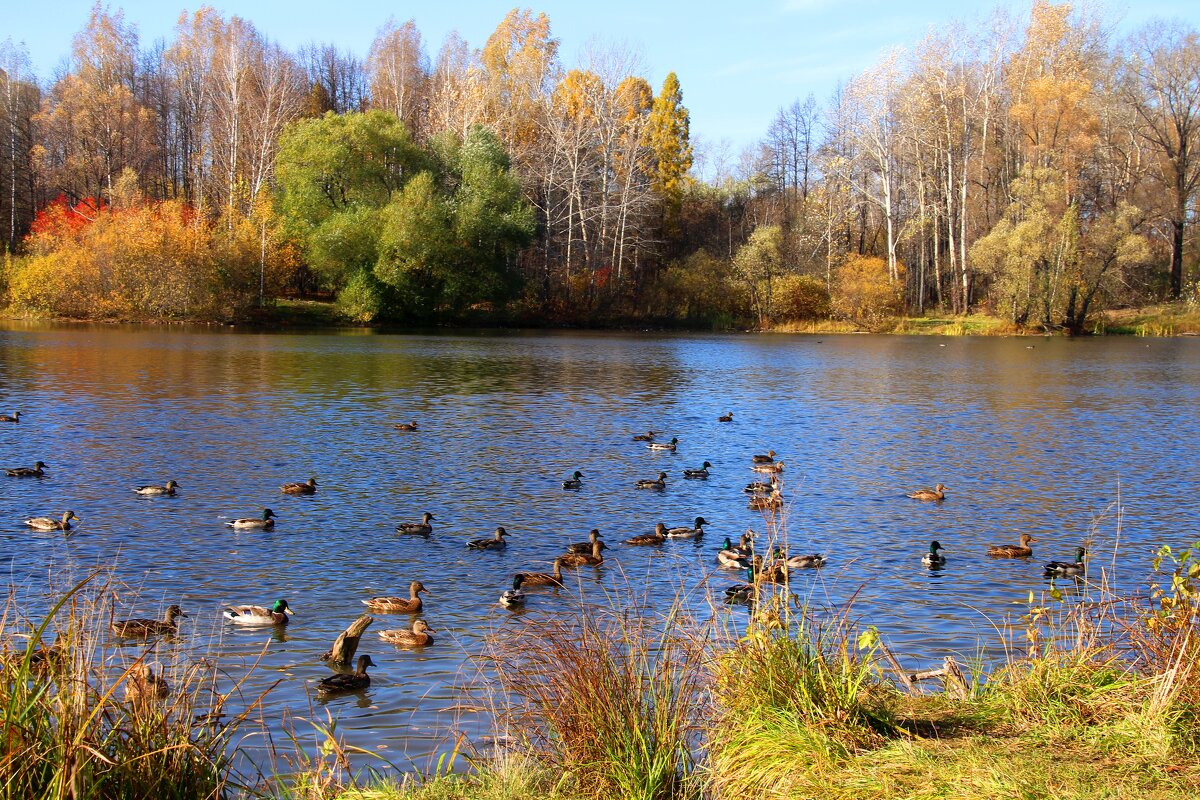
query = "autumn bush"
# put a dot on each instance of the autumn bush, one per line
(864, 293)
(700, 288)
(801, 298)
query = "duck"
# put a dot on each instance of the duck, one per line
(532, 579)
(775, 572)
(769, 458)
(1022, 550)
(142, 628)
(348, 681)
(730, 557)
(933, 558)
(36, 471)
(514, 597)
(405, 426)
(758, 487)
(1069, 569)
(167, 490)
(585, 547)
(658, 537)
(573, 482)
(697, 473)
(51, 524)
(685, 532)
(308, 487)
(773, 469)
(812, 561)
(266, 522)
(592, 559)
(648, 436)
(726, 417)
(13, 417)
(660, 483)
(937, 493)
(743, 592)
(417, 637)
(495, 543)
(762, 502)
(399, 605)
(671, 445)
(143, 687)
(422, 528)
(277, 614)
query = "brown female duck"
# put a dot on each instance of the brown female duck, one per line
(534, 579)
(658, 537)
(1022, 550)
(417, 637)
(937, 493)
(592, 559)
(142, 628)
(399, 605)
(38, 470)
(51, 524)
(308, 487)
(348, 681)
(585, 547)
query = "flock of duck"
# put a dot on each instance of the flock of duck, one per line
(763, 495)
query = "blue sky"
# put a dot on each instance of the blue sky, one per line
(737, 62)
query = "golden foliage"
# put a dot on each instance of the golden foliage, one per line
(863, 293)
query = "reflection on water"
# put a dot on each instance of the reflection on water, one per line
(1041, 441)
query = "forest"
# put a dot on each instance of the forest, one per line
(1034, 166)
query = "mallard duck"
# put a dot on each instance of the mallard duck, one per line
(422, 528)
(685, 532)
(405, 426)
(591, 559)
(933, 558)
(266, 522)
(495, 543)
(36, 471)
(1022, 550)
(585, 547)
(573, 482)
(743, 592)
(514, 597)
(1069, 569)
(14, 417)
(773, 469)
(660, 483)
(936, 493)
(50, 524)
(417, 637)
(658, 537)
(727, 417)
(758, 487)
(158, 491)
(730, 557)
(308, 487)
(532, 579)
(805, 562)
(277, 614)
(671, 445)
(763, 502)
(143, 687)
(141, 628)
(769, 458)
(648, 436)
(697, 473)
(348, 681)
(399, 605)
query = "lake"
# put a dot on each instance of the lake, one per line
(1030, 435)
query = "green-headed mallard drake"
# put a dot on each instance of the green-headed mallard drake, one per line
(671, 445)
(38, 470)
(308, 487)
(1069, 569)
(533, 579)
(496, 542)
(726, 417)
(771, 469)
(422, 528)
(811, 561)
(51, 524)
(514, 597)
(659, 483)
(348, 681)
(936, 493)
(933, 558)
(266, 522)
(697, 473)
(759, 487)
(658, 537)
(730, 557)
(277, 614)
(585, 547)
(648, 436)
(764, 502)
(592, 559)
(1022, 550)
(406, 426)
(141, 628)
(143, 688)
(13, 417)
(573, 482)
(417, 637)
(685, 532)
(399, 605)
(743, 592)
(769, 458)
(166, 490)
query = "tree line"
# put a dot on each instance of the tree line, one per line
(1034, 167)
